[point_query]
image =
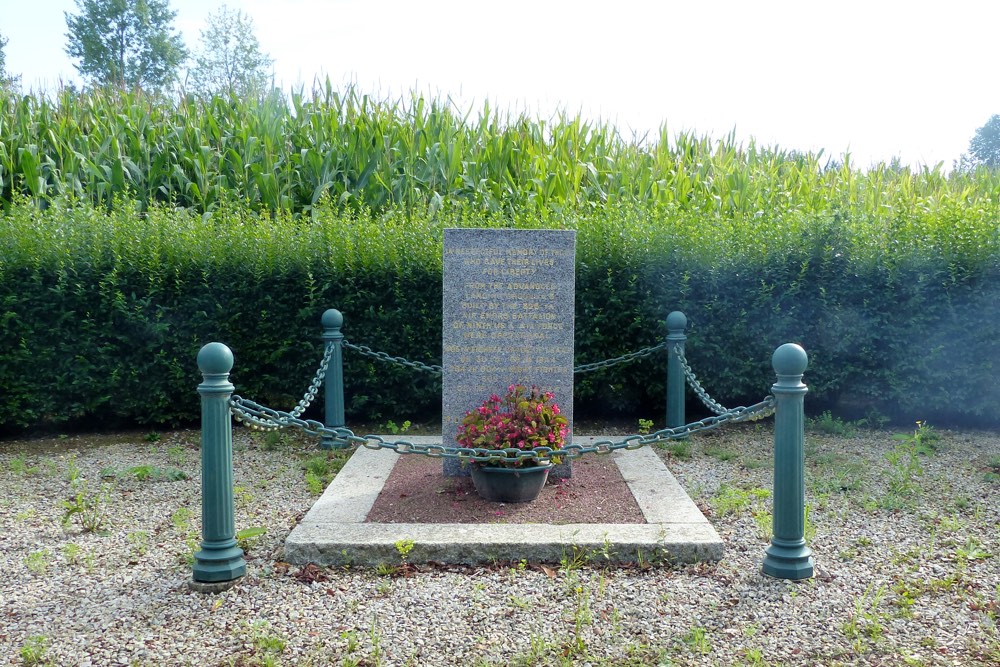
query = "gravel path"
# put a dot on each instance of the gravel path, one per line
(907, 553)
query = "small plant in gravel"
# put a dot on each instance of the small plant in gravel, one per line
(72, 469)
(827, 423)
(322, 468)
(247, 538)
(719, 452)
(145, 473)
(645, 426)
(33, 650)
(177, 455)
(697, 640)
(267, 646)
(764, 522)
(86, 508)
(139, 542)
(152, 436)
(38, 562)
(866, 621)
(19, 466)
(679, 449)
(734, 500)
(71, 552)
(904, 469)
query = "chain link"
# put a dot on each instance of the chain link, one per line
(382, 356)
(437, 370)
(708, 401)
(624, 359)
(251, 412)
(303, 404)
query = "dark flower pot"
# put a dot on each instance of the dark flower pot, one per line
(509, 485)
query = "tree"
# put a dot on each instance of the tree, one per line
(125, 43)
(6, 80)
(984, 149)
(230, 60)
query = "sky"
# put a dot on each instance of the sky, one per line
(878, 79)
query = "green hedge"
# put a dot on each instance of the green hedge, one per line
(103, 313)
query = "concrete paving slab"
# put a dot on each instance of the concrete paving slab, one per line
(334, 531)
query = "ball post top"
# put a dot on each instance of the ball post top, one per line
(676, 321)
(790, 359)
(332, 319)
(215, 359)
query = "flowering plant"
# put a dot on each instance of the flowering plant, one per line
(522, 420)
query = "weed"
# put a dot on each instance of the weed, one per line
(866, 621)
(925, 439)
(152, 436)
(72, 469)
(273, 440)
(71, 552)
(248, 537)
(267, 646)
(177, 455)
(403, 548)
(721, 453)
(765, 524)
(679, 449)
(904, 468)
(19, 466)
(754, 657)
(645, 426)
(971, 550)
(139, 541)
(322, 468)
(87, 508)
(37, 562)
(827, 423)
(734, 500)
(697, 640)
(391, 427)
(33, 650)
(242, 497)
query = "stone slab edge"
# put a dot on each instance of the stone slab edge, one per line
(333, 532)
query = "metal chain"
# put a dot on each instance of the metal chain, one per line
(303, 404)
(437, 370)
(255, 412)
(708, 401)
(317, 382)
(382, 356)
(624, 359)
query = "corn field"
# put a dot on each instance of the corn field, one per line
(283, 154)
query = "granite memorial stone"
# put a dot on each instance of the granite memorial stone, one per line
(508, 318)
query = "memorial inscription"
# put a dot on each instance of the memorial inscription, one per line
(508, 317)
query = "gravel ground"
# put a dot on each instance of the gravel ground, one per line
(907, 553)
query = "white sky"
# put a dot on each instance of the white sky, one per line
(878, 78)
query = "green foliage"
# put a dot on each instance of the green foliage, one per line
(134, 230)
(984, 148)
(125, 43)
(827, 423)
(87, 508)
(734, 500)
(33, 650)
(248, 537)
(6, 80)
(229, 62)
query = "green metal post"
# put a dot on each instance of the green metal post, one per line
(676, 325)
(333, 414)
(219, 563)
(788, 557)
